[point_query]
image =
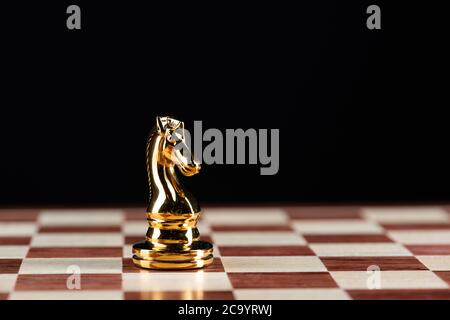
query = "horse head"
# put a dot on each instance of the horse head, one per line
(173, 147)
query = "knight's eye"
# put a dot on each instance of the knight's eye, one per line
(171, 138)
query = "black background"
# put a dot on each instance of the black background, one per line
(362, 113)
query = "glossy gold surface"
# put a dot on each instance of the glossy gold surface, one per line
(172, 239)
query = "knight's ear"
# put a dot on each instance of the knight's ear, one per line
(177, 125)
(159, 124)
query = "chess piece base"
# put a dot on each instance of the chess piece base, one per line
(195, 256)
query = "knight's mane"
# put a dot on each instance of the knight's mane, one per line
(148, 158)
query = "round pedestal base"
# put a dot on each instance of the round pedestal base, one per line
(197, 255)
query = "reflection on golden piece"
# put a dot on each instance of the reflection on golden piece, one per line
(172, 240)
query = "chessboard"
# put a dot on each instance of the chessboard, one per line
(377, 252)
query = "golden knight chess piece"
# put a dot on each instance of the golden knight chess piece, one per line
(172, 240)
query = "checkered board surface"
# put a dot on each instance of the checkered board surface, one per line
(260, 253)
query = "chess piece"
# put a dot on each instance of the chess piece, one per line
(172, 240)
